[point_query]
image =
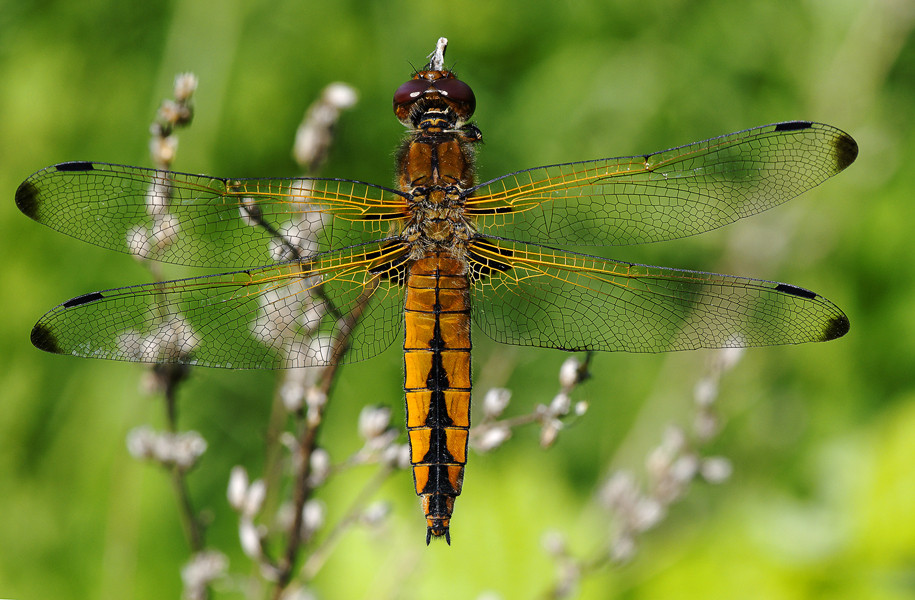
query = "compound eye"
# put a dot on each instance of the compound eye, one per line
(457, 91)
(410, 91)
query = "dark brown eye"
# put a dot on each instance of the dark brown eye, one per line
(457, 91)
(410, 91)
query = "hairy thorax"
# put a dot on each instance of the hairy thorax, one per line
(436, 168)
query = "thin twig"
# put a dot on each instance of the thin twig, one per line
(307, 442)
(172, 375)
(193, 528)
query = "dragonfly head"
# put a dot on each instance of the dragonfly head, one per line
(438, 91)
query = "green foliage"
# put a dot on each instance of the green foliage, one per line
(820, 504)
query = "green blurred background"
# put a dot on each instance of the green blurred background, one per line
(822, 437)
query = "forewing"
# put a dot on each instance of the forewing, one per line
(665, 195)
(536, 296)
(207, 221)
(285, 315)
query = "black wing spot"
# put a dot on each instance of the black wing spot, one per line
(498, 210)
(836, 328)
(84, 299)
(394, 270)
(793, 126)
(27, 199)
(795, 291)
(846, 151)
(481, 266)
(43, 339)
(383, 216)
(79, 165)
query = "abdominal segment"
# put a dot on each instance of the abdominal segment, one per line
(437, 383)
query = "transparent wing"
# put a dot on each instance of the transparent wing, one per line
(536, 296)
(666, 195)
(285, 315)
(207, 221)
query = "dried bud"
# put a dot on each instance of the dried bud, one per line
(313, 514)
(618, 492)
(492, 437)
(716, 469)
(238, 487)
(549, 432)
(320, 466)
(376, 514)
(561, 404)
(170, 449)
(292, 395)
(163, 149)
(674, 440)
(250, 538)
(185, 86)
(568, 372)
(373, 421)
(495, 401)
(254, 499)
(315, 399)
(340, 95)
(315, 135)
(647, 513)
(729, 357)
(173, 113)
(403, 456)
(684, 469)
(705, 392)
(186, 449)
(200, 571)
(141, 441)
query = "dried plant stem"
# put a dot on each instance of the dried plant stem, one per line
(193, 528)
(171, 376)
(307, 442)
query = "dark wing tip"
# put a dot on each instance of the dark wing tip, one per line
(836, 328)
(846, 150)
(44, 339)
(27, 199)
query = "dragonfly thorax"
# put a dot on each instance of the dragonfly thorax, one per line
(438, 223)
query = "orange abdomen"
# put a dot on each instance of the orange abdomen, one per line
(437, 383)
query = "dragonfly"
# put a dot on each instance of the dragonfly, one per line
(305, 255)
